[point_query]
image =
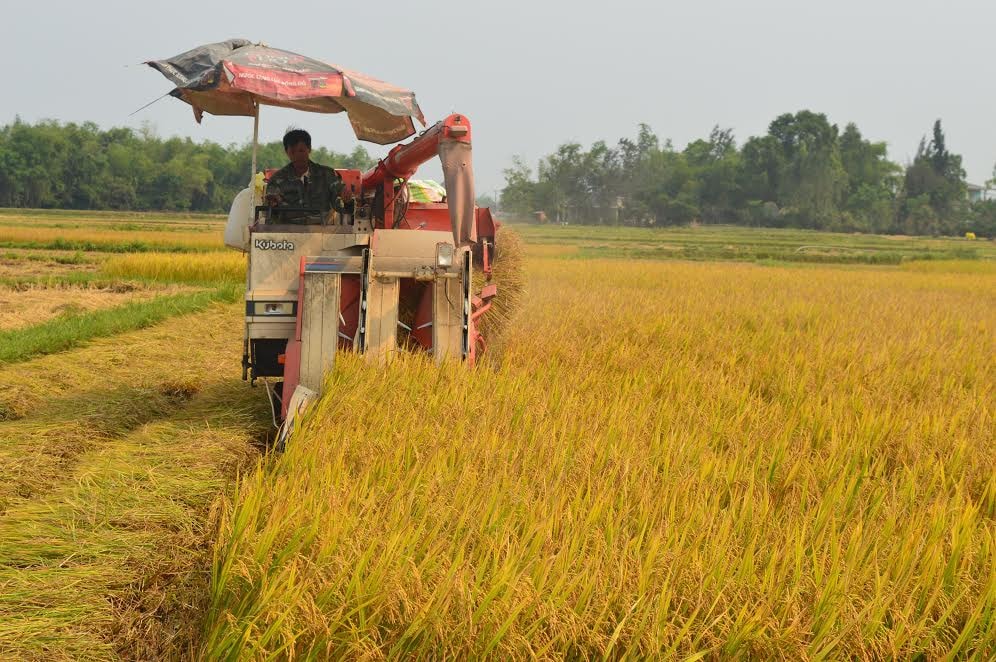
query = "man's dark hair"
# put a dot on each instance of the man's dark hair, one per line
(295, 136)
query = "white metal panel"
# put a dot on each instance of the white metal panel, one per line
(382, 317)
(408, 243)
(275, 257)
(319, 327)
(447, 319)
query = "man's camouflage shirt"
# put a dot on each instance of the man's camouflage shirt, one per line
(320, 188)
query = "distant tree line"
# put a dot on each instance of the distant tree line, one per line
(804, 173)
(80, 166)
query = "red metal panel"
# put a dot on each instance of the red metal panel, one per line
(486, 224)
(457, 127)
(272, 83)
(292, 374)
(300, 298)
(351, 183)
(422, 327)
(349, 308)
(427, 216)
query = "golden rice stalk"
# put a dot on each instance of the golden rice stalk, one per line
(672, 460)
(178, 267)
(507, 272)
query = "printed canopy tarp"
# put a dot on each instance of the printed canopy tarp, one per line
(426, 190)
(232, 77)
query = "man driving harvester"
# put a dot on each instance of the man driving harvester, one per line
(303, 191)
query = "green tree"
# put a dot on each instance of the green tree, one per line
(803, 172)
(49, 164)
(872, 183)
(519, 194)
(762, 163)
(982, 220)
(715, 163)
(935, 175)
(812, 181)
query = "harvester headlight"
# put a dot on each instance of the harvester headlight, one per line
(444, 255)
(274, 308)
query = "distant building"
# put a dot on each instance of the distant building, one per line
(978, 193)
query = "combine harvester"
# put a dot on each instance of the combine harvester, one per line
(386, 273)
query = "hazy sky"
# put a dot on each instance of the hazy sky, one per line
(534, 74)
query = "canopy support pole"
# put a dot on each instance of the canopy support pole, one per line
(255, 140)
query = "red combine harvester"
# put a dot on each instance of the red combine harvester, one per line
(387, 273)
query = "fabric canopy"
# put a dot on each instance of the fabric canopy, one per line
(233, 77)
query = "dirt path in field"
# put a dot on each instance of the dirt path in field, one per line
(114, 460)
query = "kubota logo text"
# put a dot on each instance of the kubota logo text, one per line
(270, 245)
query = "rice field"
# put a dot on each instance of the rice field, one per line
(669, 460)
(751, 245)
(228, 267)
(761, 444)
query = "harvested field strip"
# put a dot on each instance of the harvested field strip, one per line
(59, 257)
(117, 562)
(671, 459)
(747, 253)
(90, 239)
(18, 272)
(26, 263)
(72, 330)
(728, 234)
(52, 382)
(39, 451)
(734, 243)
(64, 280)
(118, 467)
(24, 306)
(757, 253)
(96, 280)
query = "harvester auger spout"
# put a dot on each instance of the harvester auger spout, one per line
(450, 139)
(387, 274)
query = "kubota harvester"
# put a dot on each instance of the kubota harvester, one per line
(385, 273)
